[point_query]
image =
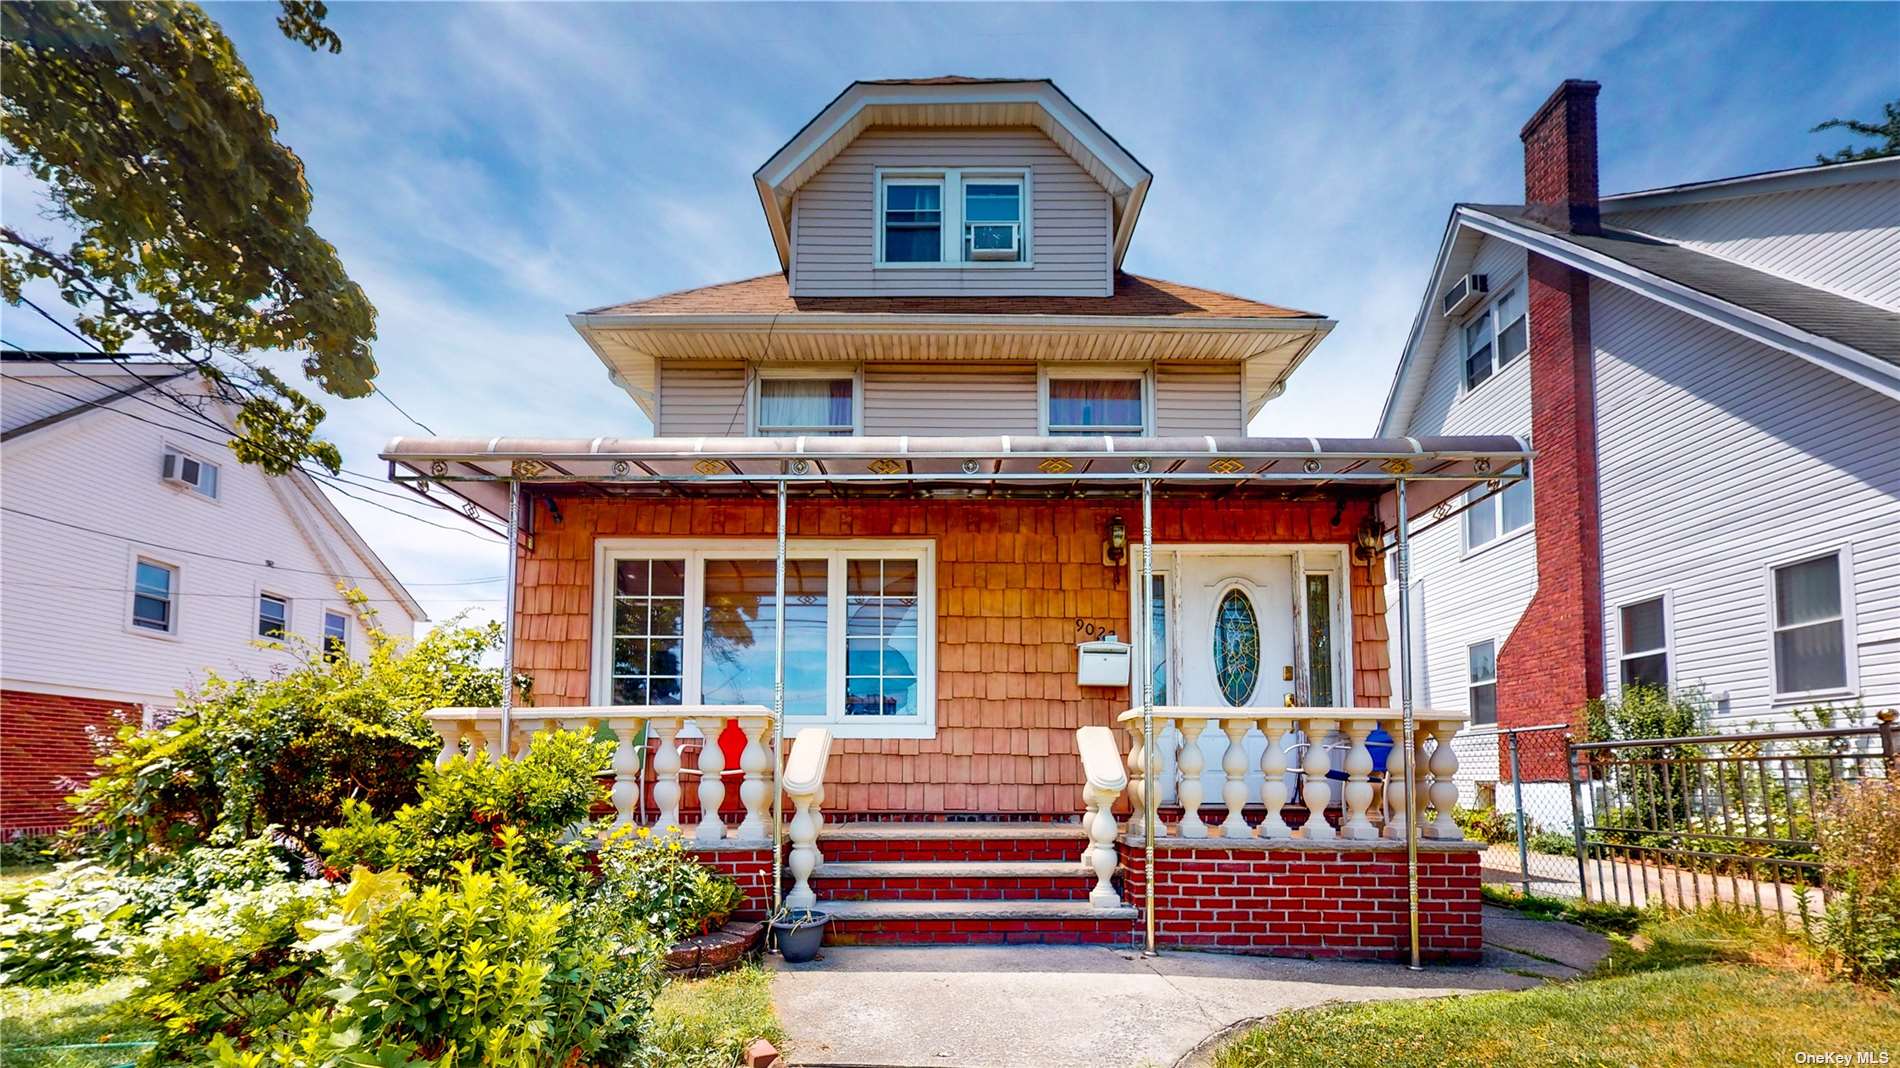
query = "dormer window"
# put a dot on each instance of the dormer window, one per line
(797, 401)
(953, 218)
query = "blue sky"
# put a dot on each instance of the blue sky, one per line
(486, 169)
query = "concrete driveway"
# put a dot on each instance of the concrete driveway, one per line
(1056, 1006)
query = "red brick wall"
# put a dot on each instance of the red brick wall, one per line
(751, 869)
(1310, 902)
(1012, 579)
(44, 746)
(1560, 158)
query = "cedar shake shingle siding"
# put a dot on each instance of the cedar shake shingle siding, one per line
(1012, 580)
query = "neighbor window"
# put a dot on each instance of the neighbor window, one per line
(154, 596)
(1644, 638)
(190, 471)
(1096, 406)
(1810, 627)
(1498, 335)
(913, 220)
(700, 626)
(1493, 515)
(803, 405)
(1482, 659)
(336, 635)
(992, 219)
(273, 616)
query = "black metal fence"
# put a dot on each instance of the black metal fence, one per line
(1726, 819)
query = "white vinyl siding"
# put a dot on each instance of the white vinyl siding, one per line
(1718, 459)
(1192, 399)
(1845, 239)
(834, 218)
(702, 400)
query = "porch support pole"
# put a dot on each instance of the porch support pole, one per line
(1408, 728)
(778, 701)
(1149, 788)
(508, 619)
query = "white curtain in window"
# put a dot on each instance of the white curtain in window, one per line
(822, 403)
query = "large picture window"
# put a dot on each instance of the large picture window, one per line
(700, 626)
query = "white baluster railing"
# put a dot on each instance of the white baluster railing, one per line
(804, 782)
(1102, 782)
(1315, 729)
(479, 730)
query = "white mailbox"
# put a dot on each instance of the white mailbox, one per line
(1102, 663)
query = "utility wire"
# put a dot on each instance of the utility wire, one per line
(391, 401)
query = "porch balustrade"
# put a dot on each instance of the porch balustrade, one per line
(1298, 753)
(1102, 783)
(804, 782)
(480, 730)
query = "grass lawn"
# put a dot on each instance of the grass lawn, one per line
(709, 1022)
(83, 1013)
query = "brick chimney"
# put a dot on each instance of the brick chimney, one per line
(1553, 661)
(1560, 159)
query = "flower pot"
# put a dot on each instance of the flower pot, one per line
(799, 935)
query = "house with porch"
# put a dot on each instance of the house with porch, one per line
(951, 562)
(1710, 374)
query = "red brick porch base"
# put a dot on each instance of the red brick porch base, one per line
(1309, 899)
(749, 865)
(43, 744)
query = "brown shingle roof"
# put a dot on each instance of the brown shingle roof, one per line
(769, 294)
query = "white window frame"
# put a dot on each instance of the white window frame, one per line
(257, 614)
(1046, 373)
(610, 551)
(349, 632)
(1495, 504)
(174, 599)
(761, 372)
(1667, 648)
(1518, 284)
(1844, 558)
(182, 486)
(951, 181)
(1471, 706)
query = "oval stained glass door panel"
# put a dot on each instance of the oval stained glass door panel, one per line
(1236, 647)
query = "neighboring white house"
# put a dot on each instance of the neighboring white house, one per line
(138, 554)
(1710, 375)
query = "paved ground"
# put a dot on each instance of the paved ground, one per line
(1059, 1006)
(1647, 883)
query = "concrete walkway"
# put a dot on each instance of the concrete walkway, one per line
(1057, 1006)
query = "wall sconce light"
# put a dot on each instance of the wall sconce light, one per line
(1115, 549)
(1369, 540)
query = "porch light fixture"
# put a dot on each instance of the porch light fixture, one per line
(1115, 550)
(1368, 541)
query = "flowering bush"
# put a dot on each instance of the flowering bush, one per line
(653, 884)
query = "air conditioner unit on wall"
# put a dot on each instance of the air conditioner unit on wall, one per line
(1464, 293)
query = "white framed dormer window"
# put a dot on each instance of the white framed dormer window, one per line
(1498, 334)
(154, 596)
(1497, 516)
(336, 634)
(183, 469)
(1481, 660)
(680, 624)
(1643, 641)
(788, 401)
(273, 617)
(1096, 400)
(953, 217)
(1811, 620)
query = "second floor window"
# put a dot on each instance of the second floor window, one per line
(992, 219)
(1495, 516)
(1500, 334)
(1096, 406)
(336, 635)
(806, 406)
(1645, 643)
(190, 471)
(913, 220)
(1810, 626)
(273, 616)
(154, 592)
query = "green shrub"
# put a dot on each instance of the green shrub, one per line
(231, 966)
(287, 750)
(654, 885)
(27, 851)
(1486, 825)
(464, 808)
(1860, 853)
(482, 968)
(1552, 843)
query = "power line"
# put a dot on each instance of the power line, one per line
(197, 552)
(391, 401)
(335, 485)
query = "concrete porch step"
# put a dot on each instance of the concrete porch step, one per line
(967, 922)
(951, 880)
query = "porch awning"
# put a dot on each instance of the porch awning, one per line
(1436, 469)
